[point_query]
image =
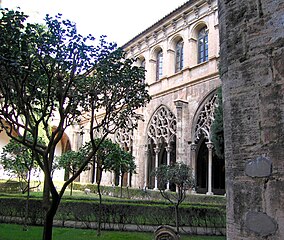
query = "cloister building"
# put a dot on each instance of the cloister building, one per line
(180, 54)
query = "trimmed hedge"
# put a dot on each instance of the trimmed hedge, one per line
(140, 194)
(116, 212)
(10, 186)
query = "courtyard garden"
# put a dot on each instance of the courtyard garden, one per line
(135, 214)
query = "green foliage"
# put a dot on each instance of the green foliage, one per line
(110, 157)
(146, 196)
(72, 160)
(178, 174)
(51, 72)
(119, 212)
(217, 129)
(10, 186)
(18, 160)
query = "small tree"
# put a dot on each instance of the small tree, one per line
(105, 156)
(71, 161)
(122, 164)
(52, 74)
(180, 175)
(20, 162)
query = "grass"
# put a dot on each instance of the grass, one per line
(35, 233)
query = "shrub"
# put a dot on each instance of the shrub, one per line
(117, 212)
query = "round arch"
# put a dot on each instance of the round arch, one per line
(174, 40)
(196, 28)
(154, 51)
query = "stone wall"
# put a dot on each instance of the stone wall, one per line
(252, 73)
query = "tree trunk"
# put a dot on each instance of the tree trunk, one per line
(100, 204)
(46, 195)
(25, 227)
(49, 216)
(177, 217)
(121, 183)
(71, 188)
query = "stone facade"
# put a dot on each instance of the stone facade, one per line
(252, 73)
(180, 54)
(182, 79)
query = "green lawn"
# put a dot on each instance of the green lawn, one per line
(15, 232)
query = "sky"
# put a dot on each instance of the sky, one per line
(119, 20)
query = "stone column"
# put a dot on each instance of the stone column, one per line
(168, 149)
(157, 150)
(210, 147)
(180, 146)
(128, 179)
(146, 167)
(193, 148)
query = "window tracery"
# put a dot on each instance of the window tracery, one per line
(124, 136)
(162, 126)
(205, 119)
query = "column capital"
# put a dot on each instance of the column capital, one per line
(157, 150)
(209, 145)
(179, 103)
(193, 146)
(168, 148)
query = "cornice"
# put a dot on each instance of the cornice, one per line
(177, 20)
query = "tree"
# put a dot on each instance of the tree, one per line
(19, 161)
(71, 161)
(110, 157)
(217, 129)
(52, 75)
(180, 175)
(124, 164)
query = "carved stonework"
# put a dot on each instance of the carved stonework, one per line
(205, 119)
(124, 137)
(164, 30)
(162, 126)
(174, 24)
(155, 36)
(184, 17)
(166, 233)
(146, 39)
(196, 12)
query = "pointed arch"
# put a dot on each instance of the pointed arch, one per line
(209, 169)
(124, 137)
(204, 117)
(161, 144)
(162, 125)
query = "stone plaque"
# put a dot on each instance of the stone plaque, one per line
(166, 233)
(260, 167)
(260, 223)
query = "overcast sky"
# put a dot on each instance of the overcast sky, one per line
(120, 20)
